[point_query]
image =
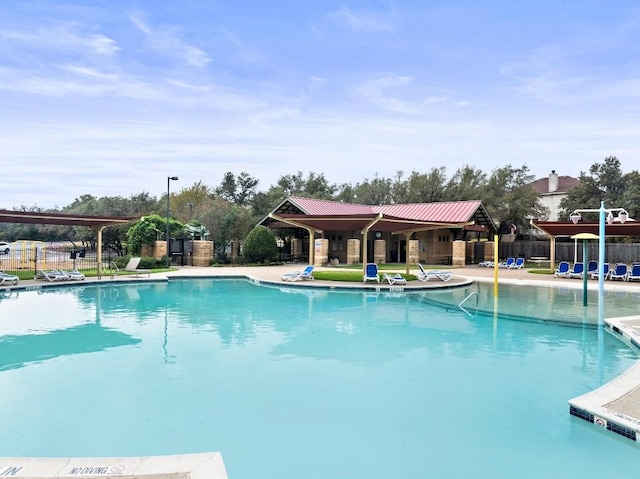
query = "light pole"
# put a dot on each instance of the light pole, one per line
(622, 217)
(169, 179)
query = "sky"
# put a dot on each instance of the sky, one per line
(110, 97)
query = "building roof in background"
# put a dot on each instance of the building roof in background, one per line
(565, 183)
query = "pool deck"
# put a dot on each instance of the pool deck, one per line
(614, 406)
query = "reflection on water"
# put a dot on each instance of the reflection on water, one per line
(383, 384)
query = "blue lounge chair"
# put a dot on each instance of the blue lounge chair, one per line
(507, 264)
(621, 272)
(634, 274)
(563, 270)
(519, 264)
(425, 275)
(606, 270)
(306, 274)
(577, 271)
(394, 279)
(8, 278)
(371, 273)
(592, 267)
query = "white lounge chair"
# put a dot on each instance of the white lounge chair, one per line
(426, 275)
(8, 278)
(370, 273)
(74, 275)
(132, 267)
(394, 279)
(51, 275)
(306, 274)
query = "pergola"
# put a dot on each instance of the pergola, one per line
(555, 229)
(97, 223)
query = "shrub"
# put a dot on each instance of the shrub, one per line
(260, 245)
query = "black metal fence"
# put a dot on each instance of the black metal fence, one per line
(30, 256)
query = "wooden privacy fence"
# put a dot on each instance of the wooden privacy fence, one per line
(570, 251)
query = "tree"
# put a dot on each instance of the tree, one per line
(604, 182)
(237, 189)
(149, 229)
(376, 191)
(423, 187)
(510, 197)
(467, 183)
(260, 245)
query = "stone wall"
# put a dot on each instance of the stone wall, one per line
(380, 251)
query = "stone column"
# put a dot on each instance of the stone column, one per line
(159, 249)
(380, 251)
(353, 251)
(488, 251)
(202, 253)
(413, 251)
(458, 259)
(321, 251)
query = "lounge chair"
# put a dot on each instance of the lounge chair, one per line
(577, 271)
(634, 274)
(305, 274)
(592, 267)
(486, 264)
(606, 271)
(563, 270)
(519, 264)
(370, 273)
(132, 267)
(507, 264)
(621, 272)
(74, 275)
(426, 275)
(8, 278)
(394, 279)
(51, 275)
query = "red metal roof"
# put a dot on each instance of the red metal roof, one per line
(316, 207)
(332, 215)
(444, 212)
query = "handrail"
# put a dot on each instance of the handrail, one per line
(473, 293)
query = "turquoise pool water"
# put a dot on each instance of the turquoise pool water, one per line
(290, 383)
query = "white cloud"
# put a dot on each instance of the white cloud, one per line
(166, 40)
(362, 20)
(396, 93)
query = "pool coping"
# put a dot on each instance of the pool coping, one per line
(207, 465)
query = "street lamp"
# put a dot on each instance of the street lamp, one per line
(622, 217)
(169, 179)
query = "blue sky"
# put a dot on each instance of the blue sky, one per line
(111, 97)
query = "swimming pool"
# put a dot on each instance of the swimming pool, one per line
(293, 383)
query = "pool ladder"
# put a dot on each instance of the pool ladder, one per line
(469, 296)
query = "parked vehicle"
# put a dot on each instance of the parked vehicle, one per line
(5, 247)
